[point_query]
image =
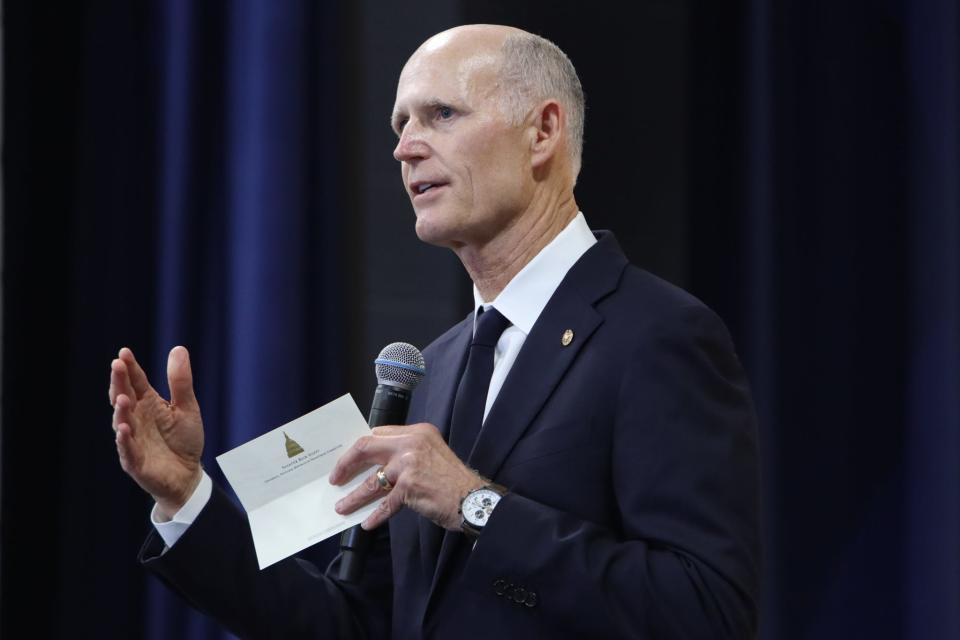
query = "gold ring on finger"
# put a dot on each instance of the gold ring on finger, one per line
(382, 480)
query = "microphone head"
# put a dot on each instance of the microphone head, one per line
(400, 365)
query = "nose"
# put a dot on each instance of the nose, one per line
(412, 145)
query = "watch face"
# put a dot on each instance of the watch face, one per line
(478, 505)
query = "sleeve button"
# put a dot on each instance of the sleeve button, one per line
(499, 586)
(519, 595)
(531, 600)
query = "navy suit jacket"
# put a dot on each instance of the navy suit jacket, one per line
(631, 459)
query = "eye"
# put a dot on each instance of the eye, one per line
(444, 112)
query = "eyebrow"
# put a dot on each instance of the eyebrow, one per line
(432, 103)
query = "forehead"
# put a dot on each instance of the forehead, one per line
(447, 73)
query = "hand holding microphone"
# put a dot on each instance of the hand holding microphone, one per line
(417, 469)
(399, 368)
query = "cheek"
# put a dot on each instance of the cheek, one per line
(505, 181)
(493, 168)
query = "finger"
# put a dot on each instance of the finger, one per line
(419, 429)
(122, 411)
(138, 378)
(365, 451)
(128, 450)
(391, 430)
(180, 378)
(386, 509)
(119, 382)
(114, 379)
(368, 491)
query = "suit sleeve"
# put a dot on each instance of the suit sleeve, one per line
(213, 566)
(684, 560)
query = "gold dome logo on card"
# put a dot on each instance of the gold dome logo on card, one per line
(293, 447)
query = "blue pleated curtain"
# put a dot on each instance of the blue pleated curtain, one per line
(175, 173)
(932, 449)
(850, 296)
(250, 240)
(849, 305)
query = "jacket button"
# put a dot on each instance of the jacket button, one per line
(531, 600)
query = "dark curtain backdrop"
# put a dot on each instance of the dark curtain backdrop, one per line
(218, 175)
(173, 177)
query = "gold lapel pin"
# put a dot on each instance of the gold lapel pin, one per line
(567, 338)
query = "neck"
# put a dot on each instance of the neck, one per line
(493, 265)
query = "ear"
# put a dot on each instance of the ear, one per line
(548, 126)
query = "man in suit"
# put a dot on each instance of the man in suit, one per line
(582, 461)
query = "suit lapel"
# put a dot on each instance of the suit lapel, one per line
(541, 364)
(444, 373)
(546, 354)
(444, 369)
(539, 367)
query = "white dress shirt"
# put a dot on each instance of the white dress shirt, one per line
(526, 295)
(521, 302)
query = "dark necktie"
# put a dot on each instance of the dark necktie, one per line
(472, 393)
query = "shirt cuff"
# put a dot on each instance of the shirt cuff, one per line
(171, 530)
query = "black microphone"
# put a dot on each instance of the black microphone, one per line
(400, 369)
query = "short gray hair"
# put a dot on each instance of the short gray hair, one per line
(535, 69)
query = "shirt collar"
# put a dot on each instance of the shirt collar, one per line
(525, 296)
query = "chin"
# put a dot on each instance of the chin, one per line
(432, 232)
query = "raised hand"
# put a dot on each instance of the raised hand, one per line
(159, 442)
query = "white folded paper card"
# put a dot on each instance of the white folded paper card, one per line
(282, 481)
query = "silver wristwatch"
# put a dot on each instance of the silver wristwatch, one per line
(476, 507)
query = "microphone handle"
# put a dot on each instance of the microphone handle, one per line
(389, 406)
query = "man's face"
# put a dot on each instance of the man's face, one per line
(466, 168)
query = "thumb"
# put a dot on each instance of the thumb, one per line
(180, 378)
